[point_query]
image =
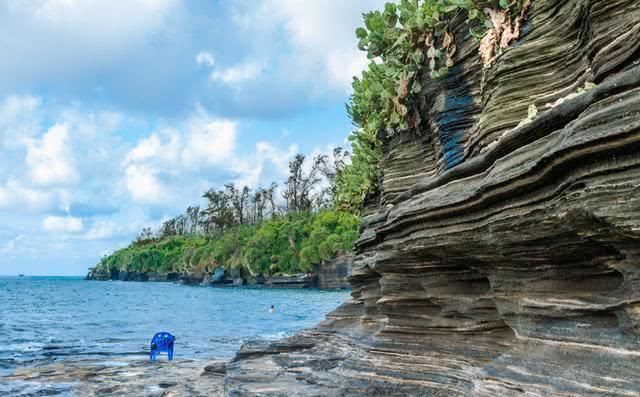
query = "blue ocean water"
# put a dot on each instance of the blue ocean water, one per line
(45, 319)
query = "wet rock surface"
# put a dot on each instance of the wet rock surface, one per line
(498, 260)
(128, 377)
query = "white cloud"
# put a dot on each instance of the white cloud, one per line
(16, 119)
(143, 184)
(14, 195)
(91, 25)
(201, 141)
(101, 229)
(157, 166)
(321, 34)
(238, 73)
(50, 160)
(205, 58)
(62, 224)
(10, 245)
(252, 169)
(207, 140)
(153, 147)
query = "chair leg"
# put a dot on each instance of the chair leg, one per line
(170, 352)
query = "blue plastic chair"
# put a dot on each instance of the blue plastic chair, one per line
(162, 342)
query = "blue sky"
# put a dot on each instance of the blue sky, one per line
(115, 115)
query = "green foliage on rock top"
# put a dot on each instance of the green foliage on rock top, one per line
(291, 243)
(357, 180)
(406, 41)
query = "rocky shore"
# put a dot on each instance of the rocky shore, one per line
(329, 274)
(125, 377)
(513, 272)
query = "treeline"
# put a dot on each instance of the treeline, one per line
(245, 231)
(305, 190)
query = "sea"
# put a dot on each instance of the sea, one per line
(52, 319)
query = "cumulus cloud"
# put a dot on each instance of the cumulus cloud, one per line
(62, 224)
(238, 73)
(163, 146)
(50, 160)
(201, 146)
(93, 28)
(101, 229)
(16, 122)
(251, 169)
(115, 50)
(49, 149)
(320, 32)
(199, 142)
(143, 184)
(15, 195)
(205, 58)
(209, 140)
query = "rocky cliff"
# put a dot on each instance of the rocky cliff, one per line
(334, 273)
(504, 257)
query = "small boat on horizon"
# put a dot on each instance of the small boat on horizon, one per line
(20, 275)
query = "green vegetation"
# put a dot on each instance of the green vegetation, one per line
(290, 243)
(405, 42)
(249, 232)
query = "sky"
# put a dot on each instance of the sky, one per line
(116, 115)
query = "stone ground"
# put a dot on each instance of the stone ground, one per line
(128, 377)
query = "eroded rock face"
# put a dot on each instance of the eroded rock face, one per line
(334, 273)
(500, 261)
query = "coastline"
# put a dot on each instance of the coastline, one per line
(73, 337)
(329, 274)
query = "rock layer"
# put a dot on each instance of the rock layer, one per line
(501, 260)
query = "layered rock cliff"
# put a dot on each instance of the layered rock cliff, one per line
(503, 259)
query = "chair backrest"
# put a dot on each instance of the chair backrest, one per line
(162, 340)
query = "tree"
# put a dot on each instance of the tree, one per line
(180, 225)
(239, 200)
(219, 213)
(145, 236)
(300, 185)
(330, 170)
(269, 197)
(193, 219)
(168, 228)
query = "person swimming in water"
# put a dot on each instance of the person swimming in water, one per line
(272, 309)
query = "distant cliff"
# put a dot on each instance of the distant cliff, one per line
(501, 256)
(302, 244)
(328, 274)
